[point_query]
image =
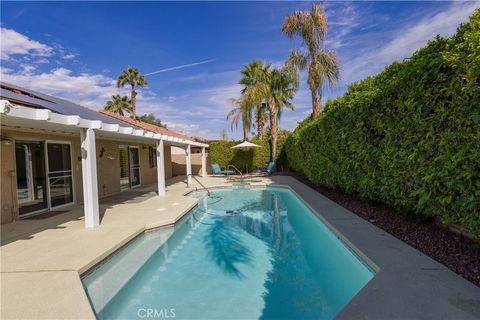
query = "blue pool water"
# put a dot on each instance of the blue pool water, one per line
(240, 254)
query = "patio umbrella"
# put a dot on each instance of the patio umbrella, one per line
(245, 145)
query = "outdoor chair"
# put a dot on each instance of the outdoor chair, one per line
(218, 171)
(268, 170)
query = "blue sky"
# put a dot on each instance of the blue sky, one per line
(77, 49)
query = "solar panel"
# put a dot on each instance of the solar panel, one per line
(54, 104)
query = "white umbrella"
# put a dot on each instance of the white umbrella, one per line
(245, 145)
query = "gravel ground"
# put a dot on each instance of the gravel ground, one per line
(459, 254)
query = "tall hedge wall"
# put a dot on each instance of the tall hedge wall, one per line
(408, 137)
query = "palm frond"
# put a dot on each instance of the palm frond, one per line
(131, 76)
(329, 66)
(118, 104)
(240, 111)
(297, 59)
(292, 25)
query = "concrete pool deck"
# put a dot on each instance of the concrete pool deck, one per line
(41, 260)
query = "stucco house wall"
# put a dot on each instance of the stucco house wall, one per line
(179, 166)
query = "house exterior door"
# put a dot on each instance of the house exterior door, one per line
(31, 181)
(44, 176)
(129, 167)
(60, 174)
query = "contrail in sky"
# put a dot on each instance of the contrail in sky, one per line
(180, 67)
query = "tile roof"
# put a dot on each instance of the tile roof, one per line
(149, 127)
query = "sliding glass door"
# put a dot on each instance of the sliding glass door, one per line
(44, 176)
(31, 182)
(134, 167)
(60, 175)
(124, 168)
(129, 167)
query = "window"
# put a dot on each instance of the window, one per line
(152, 157)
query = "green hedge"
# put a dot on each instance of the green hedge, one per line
(221, 153)
(408, 137)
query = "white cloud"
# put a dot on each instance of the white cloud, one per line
(42, 61)
(14, 43)
(27, 69)
(68, 56)
(344, 18)
(407, 41)
(91, 89)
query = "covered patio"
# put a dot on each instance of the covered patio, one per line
(21, 119)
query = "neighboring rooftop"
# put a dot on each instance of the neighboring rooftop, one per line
(147, 126)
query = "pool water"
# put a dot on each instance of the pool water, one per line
(240, 254)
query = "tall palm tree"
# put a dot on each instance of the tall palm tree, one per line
(323, 65)
(276, 88)
(133, 77)
(252, 74)
(240, 111)
(119, 104)
(260, 116)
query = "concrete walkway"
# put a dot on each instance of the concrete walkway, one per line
(41, 260)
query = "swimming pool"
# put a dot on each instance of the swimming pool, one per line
(240, 254)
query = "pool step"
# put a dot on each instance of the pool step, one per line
(241, 185)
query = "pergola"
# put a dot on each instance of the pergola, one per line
(18, 116)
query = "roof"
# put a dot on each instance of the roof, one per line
(21, 116)
(144, 125)
(34, 99)
(16, 94)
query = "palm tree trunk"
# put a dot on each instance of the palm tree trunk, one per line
(317, 108)
(260, 123)
(134, 102)
(273, 126)
(245, 131)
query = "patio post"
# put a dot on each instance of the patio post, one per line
(89, 176)
(160, 168)
(204, 162)
(188, 152)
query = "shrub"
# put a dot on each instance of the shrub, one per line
(221, 153)
(408, 137)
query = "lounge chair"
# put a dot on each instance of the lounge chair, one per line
(216, 170)
(268, 170)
